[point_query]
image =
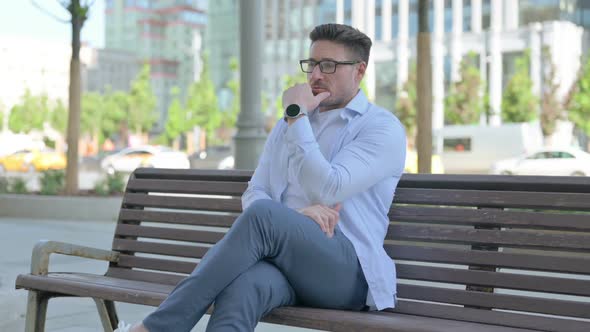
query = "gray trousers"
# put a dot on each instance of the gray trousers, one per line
(272, 256)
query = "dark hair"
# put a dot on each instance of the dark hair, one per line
(352, 38)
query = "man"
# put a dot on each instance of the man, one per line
(315, 211)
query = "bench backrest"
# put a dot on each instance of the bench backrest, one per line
(494, 249)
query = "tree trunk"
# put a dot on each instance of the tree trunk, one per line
(75, 105)
(424, 91)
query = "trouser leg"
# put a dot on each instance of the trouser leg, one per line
(249, 297)
(324, 272)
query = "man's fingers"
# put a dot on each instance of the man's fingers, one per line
(321, 96)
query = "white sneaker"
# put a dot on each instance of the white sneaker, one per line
(123, 327)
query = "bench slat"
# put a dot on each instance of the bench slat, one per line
(234, 175)
(504, 199)
(168, 233)
(506, 280)
(157, 264)
(187, 187)
(475, 217)
(148, 276)
(510, 238)
(183, 218)
(490, 316)
(495, 300)
(489, 258)
(159, 248)
(188, 203)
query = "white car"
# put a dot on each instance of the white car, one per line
(567, 161)
(128, 159)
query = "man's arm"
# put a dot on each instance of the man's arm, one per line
(259, 184)
(376, 153)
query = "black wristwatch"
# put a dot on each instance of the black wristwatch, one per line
(294, 110)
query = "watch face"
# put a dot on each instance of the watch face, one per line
(292, 110)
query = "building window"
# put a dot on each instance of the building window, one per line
(462, 144)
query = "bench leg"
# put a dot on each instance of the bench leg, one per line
(36, 311)
(107, 313)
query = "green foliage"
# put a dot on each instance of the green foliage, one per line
(519, 104)
(112, 184)
(230, 115)
(59, 117)
(102, 114)
(202, 106)
(4, 185)
(551, 107)
(176, 123)
(463, 104)
(18, 186)
(579, 111)
(406, 106)
(141, 111)
(52, 182)
(29, 114)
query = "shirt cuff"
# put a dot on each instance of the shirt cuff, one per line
(300, 134)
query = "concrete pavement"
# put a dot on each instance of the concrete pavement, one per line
(17, 238)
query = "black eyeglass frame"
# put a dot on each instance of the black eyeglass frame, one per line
(316, 63)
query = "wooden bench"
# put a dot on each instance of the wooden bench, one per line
(473, 253)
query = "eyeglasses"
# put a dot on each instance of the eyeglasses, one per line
(326, 66)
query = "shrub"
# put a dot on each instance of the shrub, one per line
(18, 186)
(112, 184)
(52, 182)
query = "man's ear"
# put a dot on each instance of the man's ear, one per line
(362, 68)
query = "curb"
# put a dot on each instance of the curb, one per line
(60, 207)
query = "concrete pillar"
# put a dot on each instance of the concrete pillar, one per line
(457, 45)
(370, 31)
(386, 20)
(403, 12)
(287, 24)
(340, 11)
(302, 34)
(511, 12)
(438, 74)
(496, 64)
(476, 16)
(536, 58)
(249, 139)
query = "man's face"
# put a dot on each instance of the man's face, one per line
(344, 83)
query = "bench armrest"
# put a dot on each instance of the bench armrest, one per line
(44, 248)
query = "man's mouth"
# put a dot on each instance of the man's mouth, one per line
(317, 89)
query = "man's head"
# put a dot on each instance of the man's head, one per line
(345, 52)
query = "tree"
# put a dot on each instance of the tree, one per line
(463, 105)
(424, 84)
(519, 104)
(176, 123)
(30, 114)
(202, 106)
(230, 115)
(78, 14)
(405, 105)
(551, 107)
(141, 110)
(579, 110)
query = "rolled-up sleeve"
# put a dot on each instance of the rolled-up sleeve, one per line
(374, 154)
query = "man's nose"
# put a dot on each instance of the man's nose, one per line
(316, 73)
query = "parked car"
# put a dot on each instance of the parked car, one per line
(128, 159)
(567, 161)
(32, 160)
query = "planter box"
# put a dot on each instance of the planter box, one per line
(60, 207)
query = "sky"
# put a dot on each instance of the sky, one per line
(20, 18)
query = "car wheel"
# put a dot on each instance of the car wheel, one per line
(578, 173)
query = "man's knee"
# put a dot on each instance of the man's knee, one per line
(262, 210)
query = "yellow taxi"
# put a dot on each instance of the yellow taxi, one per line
(412, 163)
(32, 160)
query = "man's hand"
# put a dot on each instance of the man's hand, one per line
(324, 216)
(301, 94)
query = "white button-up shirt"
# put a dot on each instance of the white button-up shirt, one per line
(362, 171)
